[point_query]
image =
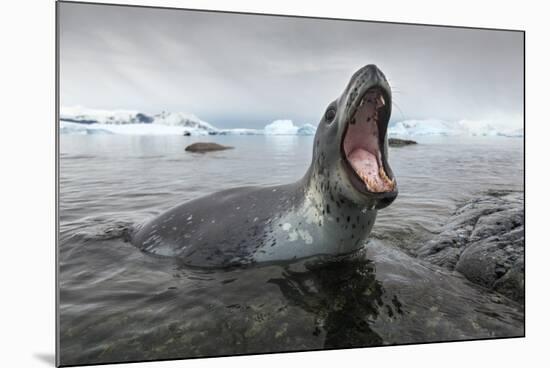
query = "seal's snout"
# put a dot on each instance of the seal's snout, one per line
(366, 78)
(371, 71)
(374, 70)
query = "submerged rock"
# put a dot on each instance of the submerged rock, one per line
(485, 240)
(397, 142)
(206, 147)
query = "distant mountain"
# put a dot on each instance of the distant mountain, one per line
(80, 120)
(81, 115)
(182, 120)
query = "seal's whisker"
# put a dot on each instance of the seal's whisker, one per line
(399, 109)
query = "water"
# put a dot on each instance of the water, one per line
(118, 304)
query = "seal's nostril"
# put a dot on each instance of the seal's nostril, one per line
(371, 68)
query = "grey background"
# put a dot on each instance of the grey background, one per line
(237, 70)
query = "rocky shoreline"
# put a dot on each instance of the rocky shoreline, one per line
(484, 240)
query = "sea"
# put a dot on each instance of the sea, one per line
(117, 303)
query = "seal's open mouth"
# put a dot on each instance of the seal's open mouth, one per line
(363, 143)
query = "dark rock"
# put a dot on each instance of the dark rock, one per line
(512, 283)
(187, 134)
(206, 147)
(484, 241)
(146, 119)
(80, 121)
(396, 142)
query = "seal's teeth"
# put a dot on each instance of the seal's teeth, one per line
(368, 182)
(384, 177)
(361, 103)
(380, 102)
(390, 182)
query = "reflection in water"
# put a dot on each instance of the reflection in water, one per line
(344, 297)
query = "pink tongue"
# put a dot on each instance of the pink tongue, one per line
(365, 165)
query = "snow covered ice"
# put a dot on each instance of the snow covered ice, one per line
(80, 120)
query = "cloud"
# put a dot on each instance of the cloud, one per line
(247, 70)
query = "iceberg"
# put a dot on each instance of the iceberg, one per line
(278, 127)
(240, 131)
(183, 120)
(281, 127)
(307, 129)
(435, 127)
(416, 128)
(75, 128)
(515, 133)
(287, 127)
(66, 127)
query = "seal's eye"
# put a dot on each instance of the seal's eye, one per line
(330, 114)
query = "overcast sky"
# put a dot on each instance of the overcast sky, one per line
(236, 70)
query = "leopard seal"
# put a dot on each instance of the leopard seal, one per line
(328, 212)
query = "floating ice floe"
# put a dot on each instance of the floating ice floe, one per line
(434, 127)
